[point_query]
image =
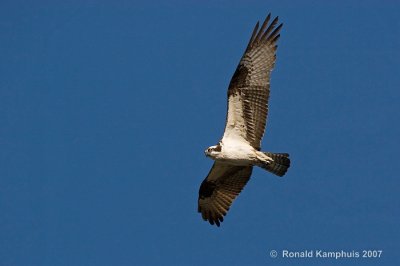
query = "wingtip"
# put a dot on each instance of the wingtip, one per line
(216, 222)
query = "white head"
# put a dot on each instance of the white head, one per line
(213, 151)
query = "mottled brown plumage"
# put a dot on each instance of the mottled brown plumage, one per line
(252, 76)
(217, 194)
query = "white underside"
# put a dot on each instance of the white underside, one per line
(237, 152)
(235, 148)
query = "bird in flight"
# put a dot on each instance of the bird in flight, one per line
(240, 147)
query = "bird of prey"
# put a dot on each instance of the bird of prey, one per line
(239, 149)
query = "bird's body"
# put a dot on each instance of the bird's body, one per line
(239, 149)
(237, 153)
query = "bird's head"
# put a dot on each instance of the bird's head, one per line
(213, 151)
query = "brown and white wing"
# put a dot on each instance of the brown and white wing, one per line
(248, 91)
(222, 185)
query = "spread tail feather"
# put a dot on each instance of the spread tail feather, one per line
(280, 164)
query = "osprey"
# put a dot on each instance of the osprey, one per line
(239, 149)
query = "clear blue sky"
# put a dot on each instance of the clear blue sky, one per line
(106, 109)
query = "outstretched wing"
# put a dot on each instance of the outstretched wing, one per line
(248, 91)
(222, 185)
